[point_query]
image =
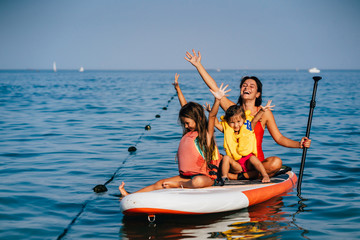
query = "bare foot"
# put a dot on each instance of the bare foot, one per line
(122, 190)
(171, 184)
(265, 179)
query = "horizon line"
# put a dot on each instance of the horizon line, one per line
(209, 69)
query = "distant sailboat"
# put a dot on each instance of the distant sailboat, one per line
(81, 69)
(54, 66)
(314, 70)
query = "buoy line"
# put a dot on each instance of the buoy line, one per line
(74, 220)
(132, 149)
(102, 187)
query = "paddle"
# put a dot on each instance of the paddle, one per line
(312, 106)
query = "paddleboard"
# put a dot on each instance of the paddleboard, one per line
(234, 195)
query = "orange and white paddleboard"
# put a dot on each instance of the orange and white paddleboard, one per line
(233, 196)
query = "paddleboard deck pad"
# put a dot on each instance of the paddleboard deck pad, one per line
(234, 195)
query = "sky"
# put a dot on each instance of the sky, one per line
(155, 34)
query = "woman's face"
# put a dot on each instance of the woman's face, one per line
(249, 90)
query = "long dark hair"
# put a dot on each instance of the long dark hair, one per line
(258, 100)
(196, 112)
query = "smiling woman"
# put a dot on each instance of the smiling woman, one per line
(250, 99)
(250, 86)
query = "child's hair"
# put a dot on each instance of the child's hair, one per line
(196, 112)
(234, 110)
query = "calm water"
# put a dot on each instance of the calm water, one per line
(63, 133)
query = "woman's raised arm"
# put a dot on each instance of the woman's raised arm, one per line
(195, 60)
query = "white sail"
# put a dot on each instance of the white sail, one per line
(81, 69)
(54, 66)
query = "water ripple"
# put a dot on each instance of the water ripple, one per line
(63, 133)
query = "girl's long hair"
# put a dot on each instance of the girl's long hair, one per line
(258, 100)
(196, 112)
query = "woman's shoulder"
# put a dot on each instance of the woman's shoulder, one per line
(268, 113)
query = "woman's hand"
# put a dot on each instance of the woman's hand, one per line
(193, 58)
(305, 142)
(221, 92)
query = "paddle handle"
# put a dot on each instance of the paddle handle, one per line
(312, 106)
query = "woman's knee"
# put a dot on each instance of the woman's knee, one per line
(272, 164)
(276, 162)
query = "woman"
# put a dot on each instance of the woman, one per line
(250, 99)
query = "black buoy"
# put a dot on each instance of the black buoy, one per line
(157, 116)
(147, 127)
(132, 149)
(100, 188)
(164, 108)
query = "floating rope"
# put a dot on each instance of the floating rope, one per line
(133, 148)
(74, 220)
(102, 187)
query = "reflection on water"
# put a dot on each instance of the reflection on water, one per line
(262, 220)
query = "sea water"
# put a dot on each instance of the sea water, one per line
(64, 133)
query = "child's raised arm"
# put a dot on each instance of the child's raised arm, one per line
(217, 123)
(215, 108)
(180, 95)
(261, 112)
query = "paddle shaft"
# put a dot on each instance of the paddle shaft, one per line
(312, 106)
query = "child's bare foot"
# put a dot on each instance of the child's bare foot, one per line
(265, 179)
(122, 190)
(171, 184)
